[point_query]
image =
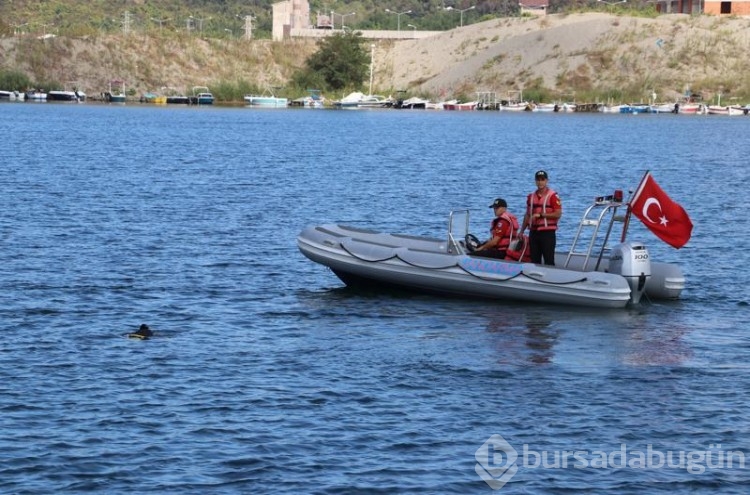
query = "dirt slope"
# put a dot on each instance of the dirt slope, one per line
(580, 53)
(589, 55)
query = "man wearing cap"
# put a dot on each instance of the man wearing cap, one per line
(503, 229)
(543, 210)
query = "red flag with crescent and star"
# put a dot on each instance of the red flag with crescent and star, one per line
(666, 219)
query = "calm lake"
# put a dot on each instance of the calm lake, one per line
(266, 375)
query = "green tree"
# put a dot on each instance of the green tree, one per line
(340, 62)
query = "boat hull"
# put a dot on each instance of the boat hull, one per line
(115, 98)
(202, 99)
(460, 106)
(266, 101)
(12, 95)
(361, 257)
(65, 96)
(729, 111)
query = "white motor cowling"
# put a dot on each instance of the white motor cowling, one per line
(631, 260)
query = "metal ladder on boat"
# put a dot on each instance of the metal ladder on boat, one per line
(594, 217)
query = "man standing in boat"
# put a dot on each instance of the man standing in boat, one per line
(543, 211)
(503, 229)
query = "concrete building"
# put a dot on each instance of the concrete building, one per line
(735, 7)
(534, 7)
(291, 19)
(288, 15)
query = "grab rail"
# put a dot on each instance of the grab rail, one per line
(608, 207)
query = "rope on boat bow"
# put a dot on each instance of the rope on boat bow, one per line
(584, 279)
(519, 274)
(395, 256)
(456, 264)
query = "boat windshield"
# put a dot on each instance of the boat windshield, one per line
(458, 225)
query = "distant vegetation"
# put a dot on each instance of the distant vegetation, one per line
(226, 18)
(177, 44)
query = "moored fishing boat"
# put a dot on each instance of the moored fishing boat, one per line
(63, 95)
(691, 108)
(201, 96)
(514, 106)
(375, 101)
(731, 111)
(313, 100)
(594, 277)
(635, 108)
(544, 107)
(662, 108)
(267, 100)
(351, 100)
(116, 93)
(36, 95)
(177, 100)
(12, 95)
(470, 105)
(414, 102)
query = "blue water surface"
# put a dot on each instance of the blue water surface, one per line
(267, 375)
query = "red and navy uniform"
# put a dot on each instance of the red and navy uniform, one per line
(505, 228)
(542, 237)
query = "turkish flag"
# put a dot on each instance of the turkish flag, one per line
(665, 218)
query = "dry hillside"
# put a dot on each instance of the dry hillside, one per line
(591, 56)
(584, 54)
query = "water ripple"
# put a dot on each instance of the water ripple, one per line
(266, 375)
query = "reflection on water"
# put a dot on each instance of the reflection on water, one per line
(523, 336)
(585, 341)
(657, 347)
(540, 338)
(265, 350)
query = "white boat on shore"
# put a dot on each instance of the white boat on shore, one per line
(313, 100)
(662, 108)
(568, 107)
(36, 95)
(64, 95)
(12, 95)
(544, 107)
(440, 105)
(730, 111)
(599, 277)
(413, 103)
(460, 106)
(375, 101)
(514, 106)
(691, 108)
(361, 100)
(266, 100)
(351, 100)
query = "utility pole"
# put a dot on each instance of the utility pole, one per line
(126, 23)
(248, 26)
(372, 64)
(160, 21)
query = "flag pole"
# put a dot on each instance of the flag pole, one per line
(637, 193)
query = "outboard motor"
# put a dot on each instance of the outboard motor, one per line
(631, 260)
